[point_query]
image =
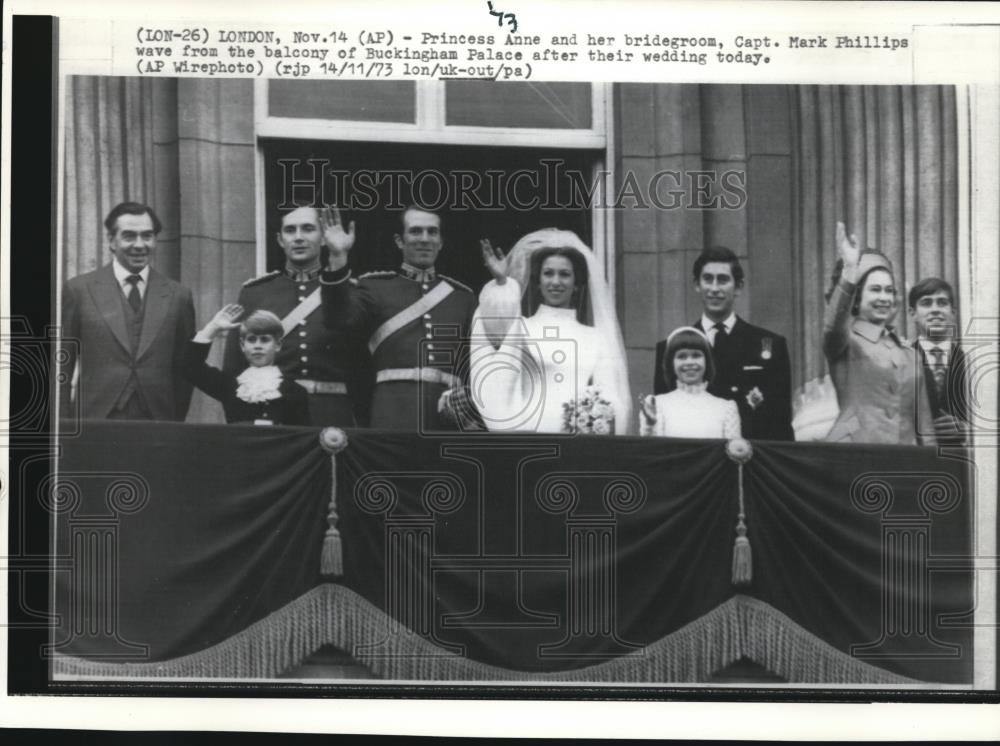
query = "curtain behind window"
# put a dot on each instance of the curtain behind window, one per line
(121, 144)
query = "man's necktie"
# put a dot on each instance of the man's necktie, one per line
(134, 298)
(720, 350)
(938, 368)
(721, 341)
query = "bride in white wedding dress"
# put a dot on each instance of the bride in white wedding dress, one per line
(547, 354)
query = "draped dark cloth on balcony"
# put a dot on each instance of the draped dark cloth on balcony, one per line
(196, 550)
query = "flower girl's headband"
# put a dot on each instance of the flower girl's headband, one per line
(680, 329)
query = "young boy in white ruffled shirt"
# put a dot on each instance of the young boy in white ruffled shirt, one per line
(688, 411)
(260, 395)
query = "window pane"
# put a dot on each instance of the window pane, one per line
(541, 105)
(353, 100)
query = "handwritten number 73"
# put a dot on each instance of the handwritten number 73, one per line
(511, 18)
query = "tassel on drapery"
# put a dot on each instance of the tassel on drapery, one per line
(333, 440)
(742, 558)
(740, 451)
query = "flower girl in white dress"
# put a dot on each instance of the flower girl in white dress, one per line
(688, 411)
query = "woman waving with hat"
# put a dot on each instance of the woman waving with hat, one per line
(874, 370)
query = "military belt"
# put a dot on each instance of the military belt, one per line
(322, 387)
(427, 375)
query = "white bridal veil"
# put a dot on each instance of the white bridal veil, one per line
(496, 313)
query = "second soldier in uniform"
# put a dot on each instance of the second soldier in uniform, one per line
(414, 320)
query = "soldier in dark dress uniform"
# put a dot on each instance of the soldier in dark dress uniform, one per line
(415, 321)
(321, 360)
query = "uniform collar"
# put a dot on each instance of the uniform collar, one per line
(417, 275)
(302, 275)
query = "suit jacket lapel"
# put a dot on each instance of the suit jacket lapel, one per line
(107, 297)
(957, 357)
(959, 374)
(157, 302)
(738, 337)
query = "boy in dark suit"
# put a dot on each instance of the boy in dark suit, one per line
(260, 395)
(751, 364)
(931, 305)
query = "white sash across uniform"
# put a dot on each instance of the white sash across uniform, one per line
(409, 314)
(298, 314)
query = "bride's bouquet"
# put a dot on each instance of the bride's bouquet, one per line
(589, 414)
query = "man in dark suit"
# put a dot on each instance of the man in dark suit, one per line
(931, 305)
(751, 363)
(130, 324)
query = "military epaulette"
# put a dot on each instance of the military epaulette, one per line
(257, 280)
(378, 275)
(456, 283)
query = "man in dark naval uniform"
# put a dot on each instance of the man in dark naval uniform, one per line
(415, 320)
(317, 358)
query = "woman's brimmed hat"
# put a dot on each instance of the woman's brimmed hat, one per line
(870, 260)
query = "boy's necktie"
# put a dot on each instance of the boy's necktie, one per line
(938, 368)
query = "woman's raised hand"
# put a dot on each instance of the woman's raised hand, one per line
(337, 240)
(494, 260)
(847, 248)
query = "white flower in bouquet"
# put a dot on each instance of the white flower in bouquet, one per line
(590, 413)
(602, 409)
(602, 426)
